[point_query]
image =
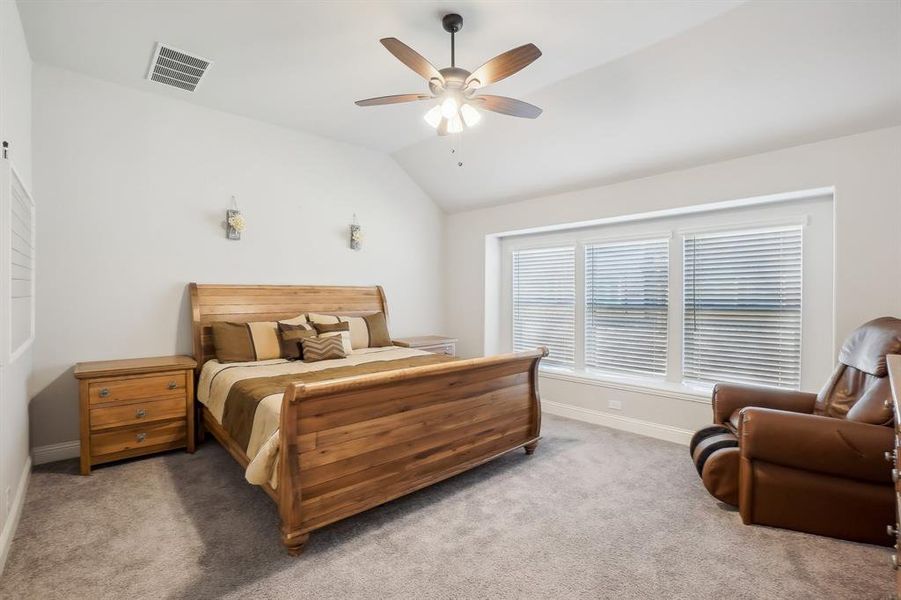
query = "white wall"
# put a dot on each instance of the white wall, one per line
(133, 189)
(863, 169)
(15, 128)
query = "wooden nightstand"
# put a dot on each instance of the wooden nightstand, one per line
(135, 407)
(436, 344)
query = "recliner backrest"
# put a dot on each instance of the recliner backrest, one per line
(859, 386)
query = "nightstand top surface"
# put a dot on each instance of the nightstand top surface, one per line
(423, 340)
(133, 366)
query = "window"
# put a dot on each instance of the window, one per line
(742, 307)
(626, 306)
(544, 302)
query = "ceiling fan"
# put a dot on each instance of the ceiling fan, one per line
(456, 88)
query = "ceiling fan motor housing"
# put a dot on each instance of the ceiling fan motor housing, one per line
(452, 23)
(454, 78)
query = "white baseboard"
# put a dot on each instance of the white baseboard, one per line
(51, 453)
(15, 512)
(630, 424)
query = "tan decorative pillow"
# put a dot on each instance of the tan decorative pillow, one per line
(345, 339)
(368, 331)
(245, 342)
(291, 337)
(323, 348)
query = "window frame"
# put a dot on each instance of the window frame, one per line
(796, 210)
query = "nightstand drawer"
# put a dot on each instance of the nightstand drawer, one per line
(134, 438)
(136, 388)
(137, 412)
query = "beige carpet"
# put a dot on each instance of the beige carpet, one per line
(595, 513)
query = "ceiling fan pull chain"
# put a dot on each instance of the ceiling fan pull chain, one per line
(457, 148)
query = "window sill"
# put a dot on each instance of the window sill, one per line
(630, 384)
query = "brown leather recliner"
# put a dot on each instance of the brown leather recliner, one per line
(810, 462)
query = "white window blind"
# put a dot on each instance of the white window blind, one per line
(626, 290)
(544, 302)
(742, 320)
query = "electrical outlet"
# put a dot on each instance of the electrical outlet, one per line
(615, 404)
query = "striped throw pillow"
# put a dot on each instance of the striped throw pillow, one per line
(323, 348)
(368, 331)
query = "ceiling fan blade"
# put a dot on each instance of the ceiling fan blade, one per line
(412, 59)
(504, 65)
(392, 99)
(507, 106)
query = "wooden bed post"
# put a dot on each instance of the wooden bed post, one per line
(289, 493)
(536, 399)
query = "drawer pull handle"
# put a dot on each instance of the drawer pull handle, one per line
(887, 403)
(141, 437)
(140, 413)
(895, 475)
(889, 456)
(891, 530)
(104, 392)
(172, 385)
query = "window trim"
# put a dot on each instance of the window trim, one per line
(575, 235)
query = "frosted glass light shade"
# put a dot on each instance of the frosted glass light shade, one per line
(454, 125)
(470, 115)
(449, 108)
(433, 117)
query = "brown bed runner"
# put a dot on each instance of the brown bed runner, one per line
(245, 395)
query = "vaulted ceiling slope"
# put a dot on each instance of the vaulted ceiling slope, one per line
(628, 88)
(763, 76)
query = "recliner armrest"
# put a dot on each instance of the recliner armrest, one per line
(818, 444)
(729, 397)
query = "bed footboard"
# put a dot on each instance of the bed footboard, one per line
(349, 445)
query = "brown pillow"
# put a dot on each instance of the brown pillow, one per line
(323, 348)
(243, 342)
(330, 327)
(291, 336)
(377, 325)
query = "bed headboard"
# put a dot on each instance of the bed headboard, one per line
(241, 303)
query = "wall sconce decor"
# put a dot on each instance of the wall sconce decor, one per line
(234, 221)
(356, 235)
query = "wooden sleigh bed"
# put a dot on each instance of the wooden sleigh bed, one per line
(397, 431)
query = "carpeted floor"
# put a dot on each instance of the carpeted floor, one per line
(595, 513)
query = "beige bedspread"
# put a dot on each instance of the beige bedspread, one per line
(246, 397)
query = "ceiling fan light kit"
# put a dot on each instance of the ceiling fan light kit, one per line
(455, 88)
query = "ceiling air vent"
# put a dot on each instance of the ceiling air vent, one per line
(177, 68)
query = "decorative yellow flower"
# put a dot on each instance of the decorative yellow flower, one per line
(236, 222)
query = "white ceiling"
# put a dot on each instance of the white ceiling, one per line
(628, 88)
